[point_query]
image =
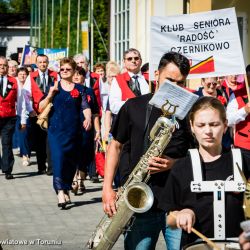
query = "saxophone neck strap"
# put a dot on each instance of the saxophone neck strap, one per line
(146, 127)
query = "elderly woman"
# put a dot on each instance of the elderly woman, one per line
(64, 131)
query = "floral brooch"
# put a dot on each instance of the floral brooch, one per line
(74, 93)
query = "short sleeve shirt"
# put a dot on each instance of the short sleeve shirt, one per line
(129, 129)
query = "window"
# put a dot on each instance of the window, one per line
(121, 28)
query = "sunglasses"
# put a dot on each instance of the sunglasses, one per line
(65, 69)
(137, 58)
(214, 84)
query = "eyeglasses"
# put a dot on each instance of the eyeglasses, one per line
(65, 69)
(211, 83)
(136, 58)
(4, 65)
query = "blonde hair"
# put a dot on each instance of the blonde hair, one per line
(112, 68)
(12, 63)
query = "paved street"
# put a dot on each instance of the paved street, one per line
(30, 218)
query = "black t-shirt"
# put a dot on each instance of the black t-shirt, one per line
(129, 129)
(177, 195)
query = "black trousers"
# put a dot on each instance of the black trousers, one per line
(246, 158)
(7, 128)
(39, 142)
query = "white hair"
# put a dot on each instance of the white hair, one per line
(80, 56)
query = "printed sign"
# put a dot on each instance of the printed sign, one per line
(210, 40)
(30, 53)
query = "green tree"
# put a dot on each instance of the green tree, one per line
(101, 15)
(19, 6)
(4, 8)
(15, 6)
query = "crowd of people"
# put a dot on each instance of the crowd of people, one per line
(110, 107)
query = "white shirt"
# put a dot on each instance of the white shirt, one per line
(104, 93)
(19, 98)
(115, 96)
(234, 114)
(87, 79)
(27, 105)
(5, 80)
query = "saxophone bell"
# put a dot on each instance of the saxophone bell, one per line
(139, 197)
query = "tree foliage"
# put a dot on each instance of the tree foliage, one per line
(15, 6)
(61, 27)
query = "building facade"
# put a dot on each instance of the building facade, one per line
(14, 33)
(130, 21)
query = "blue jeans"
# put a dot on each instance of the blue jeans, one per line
(144, 233)
(15, 137)
(23, 138)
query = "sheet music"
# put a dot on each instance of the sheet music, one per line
(177, 96)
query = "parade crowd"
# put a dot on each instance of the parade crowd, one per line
(108, 110)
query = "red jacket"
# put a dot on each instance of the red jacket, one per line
(36, 92)
(8, 101)
(242, 131)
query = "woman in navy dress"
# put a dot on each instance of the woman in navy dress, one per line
(64, 131)
(87, 148)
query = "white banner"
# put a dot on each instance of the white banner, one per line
(210, 40)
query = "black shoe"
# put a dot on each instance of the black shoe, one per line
(62, 205)
(68, 202)
(49, 172)
(41, 172)
(95, 179)
(9, 176)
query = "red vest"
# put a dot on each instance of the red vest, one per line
(123, 80)
(8, 102)
(242, 131)
(36, 92)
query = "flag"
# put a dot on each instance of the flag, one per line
(205, 66)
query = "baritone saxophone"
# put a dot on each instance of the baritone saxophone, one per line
(135, 196)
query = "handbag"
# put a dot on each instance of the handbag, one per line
(99, 159)
(43, 118)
